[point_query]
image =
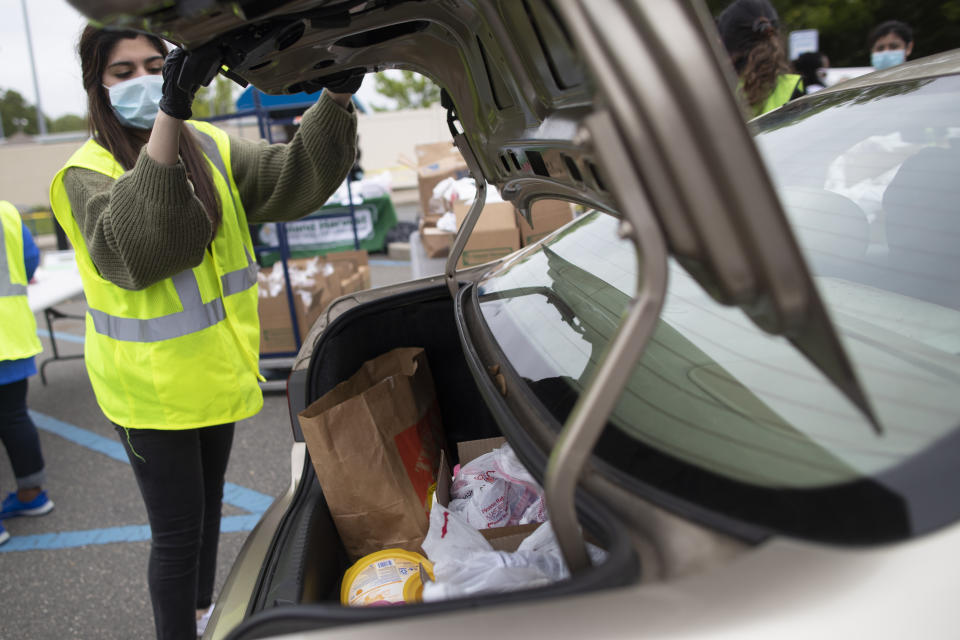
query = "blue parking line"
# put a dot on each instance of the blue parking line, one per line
(108, 535)
(67, 337)
(246, 499)
(82, 437)
(67, 539)
(241, 497)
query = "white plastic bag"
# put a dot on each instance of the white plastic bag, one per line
(447, 222)
(465, 190)
(440, 197)
(376, 185)
(465, 564)
(495, 490)
(302, 279)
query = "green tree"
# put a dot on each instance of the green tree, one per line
(216, 99)
(408, 89)
(17, 115)
(68, 122)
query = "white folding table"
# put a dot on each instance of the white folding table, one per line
(55, 280)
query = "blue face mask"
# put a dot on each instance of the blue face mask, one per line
(887, 59)
(136, 101)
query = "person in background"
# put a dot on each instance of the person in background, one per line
(157, 209)
(750, 30)
(19, 258)
(811, 66)
(890, 43)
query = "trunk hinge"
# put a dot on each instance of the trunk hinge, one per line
(466, 228)
(589, 416)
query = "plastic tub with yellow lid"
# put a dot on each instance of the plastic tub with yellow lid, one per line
(387, 577)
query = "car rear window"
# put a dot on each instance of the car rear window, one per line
(736, 422)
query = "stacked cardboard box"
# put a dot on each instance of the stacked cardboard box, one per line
(316, 282)
(547, 216)
(494, 236)
(436, 161)
(436, 242)
(500, 230)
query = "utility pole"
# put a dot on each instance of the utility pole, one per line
(41, 123)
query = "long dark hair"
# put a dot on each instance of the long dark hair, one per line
(123, 142)
(751, 34)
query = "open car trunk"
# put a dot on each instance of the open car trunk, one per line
(308, 560)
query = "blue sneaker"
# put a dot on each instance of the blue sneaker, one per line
(12, 506)
(4, 535)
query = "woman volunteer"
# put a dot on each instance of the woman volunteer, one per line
(157, 210)
(19, 258)
(751, 34)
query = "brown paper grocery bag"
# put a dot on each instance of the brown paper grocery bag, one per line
(375, 442)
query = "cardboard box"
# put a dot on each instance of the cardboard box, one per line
(430, 152)
(356, 259)
(430, 219)
(364, 271)
(547, 216)
(500, 538)
(435, 162)
(436, 242)
(347, 263)
(309, 299)
(316, 282)
(494, 236)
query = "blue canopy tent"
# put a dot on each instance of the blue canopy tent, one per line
(278, 109)
(284, 101)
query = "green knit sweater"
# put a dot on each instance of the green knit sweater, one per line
(148, 225)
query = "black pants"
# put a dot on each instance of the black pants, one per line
(180, 474)
(19, 436)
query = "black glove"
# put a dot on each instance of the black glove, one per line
(344, 82)
(183, 75)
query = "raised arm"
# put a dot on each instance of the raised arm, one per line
(145, 226)
(288, 181)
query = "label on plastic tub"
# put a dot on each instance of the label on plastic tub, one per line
(387, 577)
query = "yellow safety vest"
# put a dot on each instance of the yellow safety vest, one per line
(18, 328)
(786, 85)
(183, 352)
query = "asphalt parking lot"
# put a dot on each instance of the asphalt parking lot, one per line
(80, 571)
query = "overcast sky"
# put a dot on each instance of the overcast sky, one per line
(54, 28)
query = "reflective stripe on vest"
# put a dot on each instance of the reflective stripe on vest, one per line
(7, 286)
(195, 316)
(241, 279)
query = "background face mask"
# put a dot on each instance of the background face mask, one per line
(136, 101)
(887, 59)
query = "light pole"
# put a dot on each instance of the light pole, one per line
(33, 69)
